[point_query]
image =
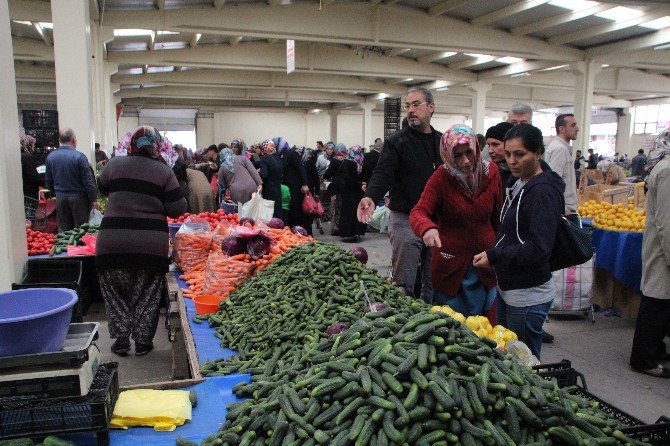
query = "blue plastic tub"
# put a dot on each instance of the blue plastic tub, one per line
(34, 320)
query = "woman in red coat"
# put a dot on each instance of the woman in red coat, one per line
(458, 214)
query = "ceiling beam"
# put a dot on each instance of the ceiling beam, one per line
(194, 40)
(160, 5)
(446, 6)
(235, 40)
(657, 38)
(238, 93)
(218, 4)
(30, 10)
(43, 34)
(31, 49)
(313, 58)
(256, 79)
(152, 40)
(432, 57)
(507, 11)
(560, 19)
(472, 61)
(34, 73)
(609, 27)
(398, 51)
(350, 24)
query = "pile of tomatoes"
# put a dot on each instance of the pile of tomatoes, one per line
(213, 218)
(39, 242)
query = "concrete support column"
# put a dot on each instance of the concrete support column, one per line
(308, 128)
(115, 98)
(72, 53)
(586, 72)
(479, 90)
(108, 107)
(334, 113)
(624, 129)
(12, 228)
(367, 123)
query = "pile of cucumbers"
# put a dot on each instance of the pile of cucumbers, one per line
(418, 380)
(399, 376)
(292, 303)
(73, 237)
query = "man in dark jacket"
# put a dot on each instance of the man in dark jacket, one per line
(638, 163)
(370, 161)
(409, 158)
(592, 162)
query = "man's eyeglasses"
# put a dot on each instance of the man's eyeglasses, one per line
(415, 104)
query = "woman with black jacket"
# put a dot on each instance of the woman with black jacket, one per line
(525, 239)
(271, 173)
(336, 183)
(352, 192)
(295, 177)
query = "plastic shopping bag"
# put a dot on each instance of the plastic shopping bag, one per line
(380, 219)
(310, 206)
(95, 217)
(88, 249)
(574, 286)
(192, 243)
(257, 208)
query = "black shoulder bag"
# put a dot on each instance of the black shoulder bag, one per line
(572, 245)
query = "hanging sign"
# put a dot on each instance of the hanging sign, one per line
(290, 56)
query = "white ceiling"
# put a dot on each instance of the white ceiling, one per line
(208, 54)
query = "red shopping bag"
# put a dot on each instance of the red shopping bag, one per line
(311, 207)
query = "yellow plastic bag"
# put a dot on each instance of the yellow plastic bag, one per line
(164, 410)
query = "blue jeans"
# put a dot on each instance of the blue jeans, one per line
(526, 322)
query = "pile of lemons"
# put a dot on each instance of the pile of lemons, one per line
(613, 217)
(480, 325)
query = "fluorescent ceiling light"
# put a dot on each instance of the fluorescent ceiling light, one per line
(557, 67)
(477, 55)
(23, 22)
(659, 23)
(575, 5)
(665, 46)
(619, 13)
(605, 65)
(132, 32)
(524, 74)
(162, 33)
(509, 60)
(47, 25)
(409, 79)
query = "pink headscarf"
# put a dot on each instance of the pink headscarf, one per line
(460, 134)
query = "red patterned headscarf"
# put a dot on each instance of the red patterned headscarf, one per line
(460, 134)
(146, 141)
(268, 147)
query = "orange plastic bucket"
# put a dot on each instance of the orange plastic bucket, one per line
(207, 303)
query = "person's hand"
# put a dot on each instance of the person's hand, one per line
(364, 186)
(481, 260)
(366, 208)
(432, 238)
(259, 188)
(212, 165)
(305, 190)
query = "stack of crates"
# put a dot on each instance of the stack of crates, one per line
(392, 113)
(55, 273)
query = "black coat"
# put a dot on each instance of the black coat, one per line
(179, 170)
(350, 194)
(271, 174)
(333, 175)
(313, 181)
(31, 179)
(369, 163)
(295, 176)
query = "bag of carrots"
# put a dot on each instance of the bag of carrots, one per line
(223, 274)
(192, 243)
(220, 233)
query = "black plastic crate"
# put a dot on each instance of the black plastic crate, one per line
(55, 273)
(62, 416)
(657, 434)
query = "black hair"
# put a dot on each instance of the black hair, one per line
(640, 152)
(560, 120)
(210, 148)
(530, 136)
(97, 145)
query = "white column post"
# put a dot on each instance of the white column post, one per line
(479, 90)
(585, 79)
(12, 228)
(102, 72)
(109, 107)
(72, 54)
(114, 99)
(308, 127)
(334, 113)
(624, 129)
(367, 123)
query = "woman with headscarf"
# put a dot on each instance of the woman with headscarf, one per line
(333, 175)
(653, 317)
(179, 169)
(295, 178)
(31, 179)
(458, 214)
(612, 172)
(271, 174)
(350, 194)
(132, 245)
(237, 174)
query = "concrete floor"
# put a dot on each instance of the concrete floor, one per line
(599, 350)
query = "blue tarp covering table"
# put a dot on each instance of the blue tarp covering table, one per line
(621, 254)
(213, 395)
